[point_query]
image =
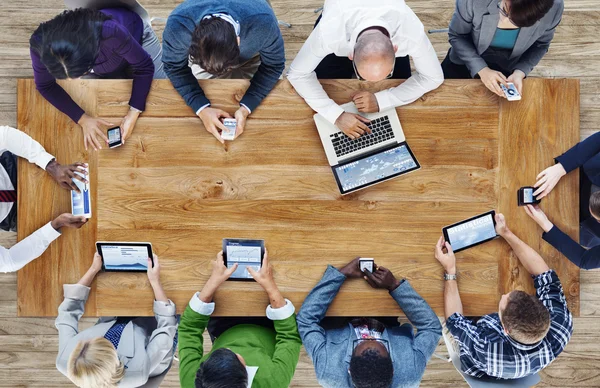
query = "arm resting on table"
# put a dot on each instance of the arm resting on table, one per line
(578, 255)
(28, 249)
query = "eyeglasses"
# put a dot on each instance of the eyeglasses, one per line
(362, 79)
(503, 12)
(358, 341)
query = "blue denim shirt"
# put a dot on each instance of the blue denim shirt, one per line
(331, 350)
(259, 34)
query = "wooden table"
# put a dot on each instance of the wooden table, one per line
(174, 185)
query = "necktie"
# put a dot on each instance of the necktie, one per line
(8, 196)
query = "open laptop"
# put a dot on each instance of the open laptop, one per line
(370, 159)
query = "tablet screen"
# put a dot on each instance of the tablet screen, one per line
(246, 254)
(123, 257)
(375, 168)
(471, 232)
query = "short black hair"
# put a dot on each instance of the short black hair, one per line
(214, 46)
(68, 45)
(525, 13)
(371, 370)
(222, 369)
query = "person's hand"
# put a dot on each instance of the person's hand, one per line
(539, 217)
(382, 278)
(352, 125)
(93, 135)
(548, 179)
(153, 270)
(211, 118)
(492, 80)
(240, 115)
(96, 263)
(220, 273)
(366, 102)
(128, 123)
(68, 220)
(352, 269)
(501, 227)
(63, 174)
(264, 276)
(447, 259)
(517, 78)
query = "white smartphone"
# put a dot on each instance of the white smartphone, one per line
(231, 125)
(511, 93)
(81, 202)
(366, 263)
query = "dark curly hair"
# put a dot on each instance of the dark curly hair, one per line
(222, 369)
(68, 45)
(214, 46)
(371, 370)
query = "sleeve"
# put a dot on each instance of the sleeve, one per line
(28, 249)
(160, 345)
(287, 349)
(125, 46)
(303, 78)
(69, 313)
(470, 339)
(459, 36)
(313, 311)
(46, 84)
(176, 44)
(536, 52)
(422, 317)
(21, 144)
(549, 291)
(191, 342)
(578, 255)
(272, 63)
(428, 76)
(579, 154)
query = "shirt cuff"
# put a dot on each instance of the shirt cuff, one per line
(202, 108)
(332, 113)
(201, 307)
(76, 291)
(568, 163)
(281, 313)
(246, 106)
(49, 233)
(383, 99)
(165, 309)
(454, 319)
(43, 160)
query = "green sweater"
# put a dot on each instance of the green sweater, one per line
(275, 353)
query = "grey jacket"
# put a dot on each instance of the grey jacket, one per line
(473, 26)
(146, 345)
(331, 350)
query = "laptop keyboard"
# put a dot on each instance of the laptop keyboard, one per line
(382, 131)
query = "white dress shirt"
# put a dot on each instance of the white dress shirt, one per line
(22, 145)
(336, 33)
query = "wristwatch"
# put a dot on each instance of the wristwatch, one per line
(449, 277)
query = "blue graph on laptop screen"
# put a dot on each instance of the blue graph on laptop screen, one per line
(375, 168)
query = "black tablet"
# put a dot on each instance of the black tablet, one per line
(125, 256)
(471, 232)
(246, 253)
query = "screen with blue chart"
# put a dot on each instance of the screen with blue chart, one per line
(125, 258)
(245, 255)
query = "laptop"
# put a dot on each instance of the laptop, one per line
(370, 159)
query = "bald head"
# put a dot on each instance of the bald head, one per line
(374, 55)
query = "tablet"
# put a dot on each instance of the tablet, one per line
(246, 253)
(471, 232)
(125, 256)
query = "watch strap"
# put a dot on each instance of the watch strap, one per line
(449, 277)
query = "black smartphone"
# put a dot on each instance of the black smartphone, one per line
(525, 196)
(114, 137)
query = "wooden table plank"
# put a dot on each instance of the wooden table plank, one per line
(174, 185)
(532, 133)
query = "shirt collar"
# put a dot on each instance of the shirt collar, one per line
(251, 370)
(496, 323)
(227, 18)
(363, 25)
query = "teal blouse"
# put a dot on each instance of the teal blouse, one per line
(505, 38)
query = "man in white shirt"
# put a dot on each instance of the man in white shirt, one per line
(373, 35)
(28, 249)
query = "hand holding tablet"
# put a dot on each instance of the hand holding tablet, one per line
(125, 256)
(243, 254)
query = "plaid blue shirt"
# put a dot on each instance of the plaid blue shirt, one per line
(486, 350)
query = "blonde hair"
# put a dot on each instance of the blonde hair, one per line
(95, 364)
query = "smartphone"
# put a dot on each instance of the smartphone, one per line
(366, 264)
(231, 125)
(511, 93)
(525, 196)
(114, 137)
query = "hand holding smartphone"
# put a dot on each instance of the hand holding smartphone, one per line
(231, 125)
(525, 196)
(114, 137)
(367, 263)
(511, 93)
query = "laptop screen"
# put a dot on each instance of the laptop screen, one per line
(375, 167)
